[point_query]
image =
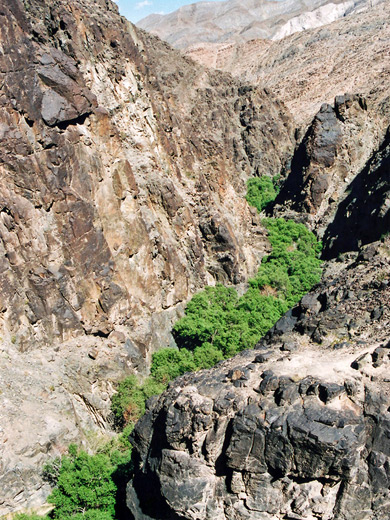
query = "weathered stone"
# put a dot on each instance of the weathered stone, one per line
(93, 353)
(263, 357)
(361, 361)
(307, 435)
(378, 356)
(122, 174)
(328, 391)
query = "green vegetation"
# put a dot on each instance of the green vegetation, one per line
(25, 516)
(218, 320)
(261, 191)
(85, 488)
(93, 487)
(128, 404)
(293, 266)
(90, 487)
(170, 363)
(217, 324)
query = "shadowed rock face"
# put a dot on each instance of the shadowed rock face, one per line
(122, 175)
(338, 183)
(297, 428)
(308, 181)
(364, 215)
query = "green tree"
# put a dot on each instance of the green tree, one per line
(261, 191)
(85, 488)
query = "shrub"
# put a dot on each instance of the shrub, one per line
(169, 363)
(261, 191)
(293, 266)
(128, 404)
(207, 356)
(217, 323)
(85, 488)
(205, 317)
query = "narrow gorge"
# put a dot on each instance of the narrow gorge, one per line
(124, 167)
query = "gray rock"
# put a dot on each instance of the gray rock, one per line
(56, 109)
(285, 451)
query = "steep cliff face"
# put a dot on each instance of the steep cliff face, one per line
(298, 428)
(364, 214)
(122, 174)
(122, 182)
(339, 179)
(112, 170)
(339, 142)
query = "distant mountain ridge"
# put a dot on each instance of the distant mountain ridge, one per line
(240, 21)
(309, 67)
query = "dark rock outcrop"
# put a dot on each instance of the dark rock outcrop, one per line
(281, 432)
(363, 216)
(336, 148)
(275, 446)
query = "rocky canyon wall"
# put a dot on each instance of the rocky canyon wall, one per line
(122, 176)
(297, 428)
(118, 156)
(122, 182)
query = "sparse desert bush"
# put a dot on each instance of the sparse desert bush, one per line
(128, 404)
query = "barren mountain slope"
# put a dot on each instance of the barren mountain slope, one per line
(122, 175)
(312, 67)
(239, 21)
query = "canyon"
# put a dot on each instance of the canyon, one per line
(123, 172)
